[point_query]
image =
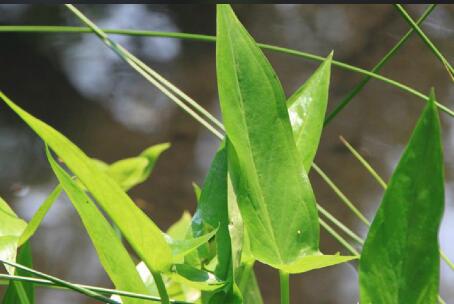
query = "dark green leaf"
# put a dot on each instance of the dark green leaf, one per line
(400, 258)
(196, 278)
(111, 252)
(21, 292)
(144, 236)
(274, 195)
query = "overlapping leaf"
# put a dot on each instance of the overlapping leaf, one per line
(274, 195)
(144, 236)
(111, 252)
(400, 258)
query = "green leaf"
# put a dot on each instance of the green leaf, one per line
(21, 292)
(212, 212)
(111, 252)
(400, 258)
(179, 230)
(247, 283)
(11, 228)
(274, 195)
(307, 107)
(142, 234)
(196, 278)
(38, 217)
(307, 263)
(180, 248)
(132, 171)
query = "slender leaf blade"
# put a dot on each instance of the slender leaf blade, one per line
(276, 201)
(307, 107)
(39, 215)
(111, 252)
(400, 258)
(144, 236)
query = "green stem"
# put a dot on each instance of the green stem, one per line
(161, 287)
(344, 102)
(340, 194)
(382, 183)
(61, 282)
(5, 279)
(207, 38)
(338, 238)
(285, 287)
(424, 38)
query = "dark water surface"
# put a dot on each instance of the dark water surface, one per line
(77, 85)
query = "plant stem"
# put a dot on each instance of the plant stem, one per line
(339, 238)
(6, 278)
(161, 287)
(424, 37)
(285, 287)
(345, 101)
(207, 38)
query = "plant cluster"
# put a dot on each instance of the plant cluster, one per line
(256, 204)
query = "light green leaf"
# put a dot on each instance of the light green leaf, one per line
(312, 262)
(247, 283)
(142, 234)
(179, 230)
(11, 228)
(196, 278)
(111, 252)
(400, 258)
(180, 248)
(132, 171)
(38, 217)
(21, 292)
(274, 195)
(306, 108)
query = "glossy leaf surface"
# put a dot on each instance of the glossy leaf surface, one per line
(400, 258)
(144, 236)
(111, 252)
(275, 199)
(306, 108)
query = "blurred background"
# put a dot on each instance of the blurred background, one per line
(77, 85)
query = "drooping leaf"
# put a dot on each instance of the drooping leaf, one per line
(306, 109)
(196, 278)
(21, 292)
(39, 215)
(144, 236)
(400, 258)
(111, 252)
(132, 171)
(11, 228)
(274, 195)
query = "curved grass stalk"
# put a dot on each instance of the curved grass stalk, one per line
(60, 282)
(340, 225)
(5, 278)
(339, 238)
(424, 38)
(340, 194)
(152, 76)
(382, 183)
(346, 100)
(208, 38)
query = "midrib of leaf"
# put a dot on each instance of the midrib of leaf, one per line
(269, 226)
